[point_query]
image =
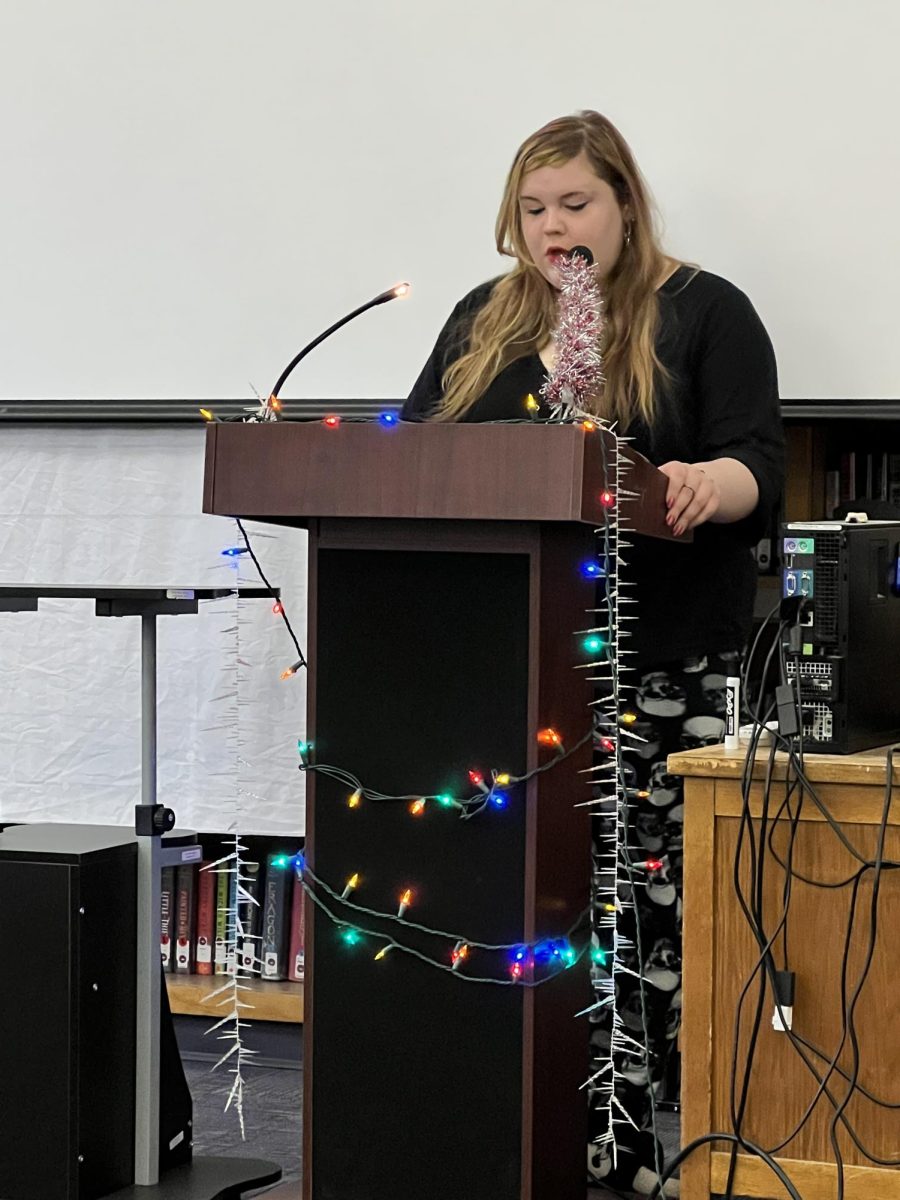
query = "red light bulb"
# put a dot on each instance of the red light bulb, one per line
(607, 499)
(332, 421)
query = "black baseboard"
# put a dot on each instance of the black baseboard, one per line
(277, 1043)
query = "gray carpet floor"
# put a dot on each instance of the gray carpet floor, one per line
(273, 1118)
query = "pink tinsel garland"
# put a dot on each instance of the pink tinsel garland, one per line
(578, 374)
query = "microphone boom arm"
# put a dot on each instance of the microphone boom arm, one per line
(393, 293)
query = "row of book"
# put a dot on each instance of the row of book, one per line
(194, 921)
(874, 475)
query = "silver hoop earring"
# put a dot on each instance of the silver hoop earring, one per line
(627, 235)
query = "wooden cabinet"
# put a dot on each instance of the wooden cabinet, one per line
(720, 954)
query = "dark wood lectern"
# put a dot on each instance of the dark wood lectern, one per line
(445, 596)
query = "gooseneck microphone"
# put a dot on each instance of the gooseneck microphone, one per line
(394, 293)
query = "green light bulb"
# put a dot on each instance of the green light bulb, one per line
(593, 644)
(350, 936)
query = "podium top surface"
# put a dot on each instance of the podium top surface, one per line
(296, 472)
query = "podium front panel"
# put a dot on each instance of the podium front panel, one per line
(426, 663)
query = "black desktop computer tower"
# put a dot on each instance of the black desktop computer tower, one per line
(844, 642)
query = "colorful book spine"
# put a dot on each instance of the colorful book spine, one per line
(276, 917)
(248, 935)
(167, 924)
(185, 914)
(296, 953)
(221, 946)
(206, 921)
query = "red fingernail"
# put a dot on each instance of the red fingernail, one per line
(679, 529)
(669, 519)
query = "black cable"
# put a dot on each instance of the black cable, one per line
(770, 1162)
(753, 910)
(753, 913)
(273, 594)
(798, 1042)
(795, 759)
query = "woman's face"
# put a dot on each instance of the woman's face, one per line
(562, 207)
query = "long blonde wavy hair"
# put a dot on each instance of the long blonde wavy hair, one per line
(520, 315)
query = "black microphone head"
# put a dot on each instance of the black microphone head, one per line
(582, 252)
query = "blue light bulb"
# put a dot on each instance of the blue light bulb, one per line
(388, 419)
(592, 569)
(498, 799)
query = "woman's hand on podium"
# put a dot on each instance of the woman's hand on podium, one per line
(722, 490)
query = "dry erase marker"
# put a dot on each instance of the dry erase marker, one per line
(732, 712)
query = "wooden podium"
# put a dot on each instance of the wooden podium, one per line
(719, 953)
(445, 598)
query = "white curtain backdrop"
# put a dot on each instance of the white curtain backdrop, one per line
(122, 505)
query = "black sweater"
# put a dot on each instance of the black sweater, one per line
(721, 402)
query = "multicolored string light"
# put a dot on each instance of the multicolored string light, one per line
(604, 655)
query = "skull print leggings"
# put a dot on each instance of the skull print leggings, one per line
(677, 705)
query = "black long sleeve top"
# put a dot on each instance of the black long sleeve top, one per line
(721, 402)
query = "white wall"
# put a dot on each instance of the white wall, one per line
(88, 505)
(193, 189)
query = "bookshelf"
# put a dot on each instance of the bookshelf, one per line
(822, 433)
(279, 1000)
(272, 1000)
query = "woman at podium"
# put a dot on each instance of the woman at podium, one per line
(690, 376)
